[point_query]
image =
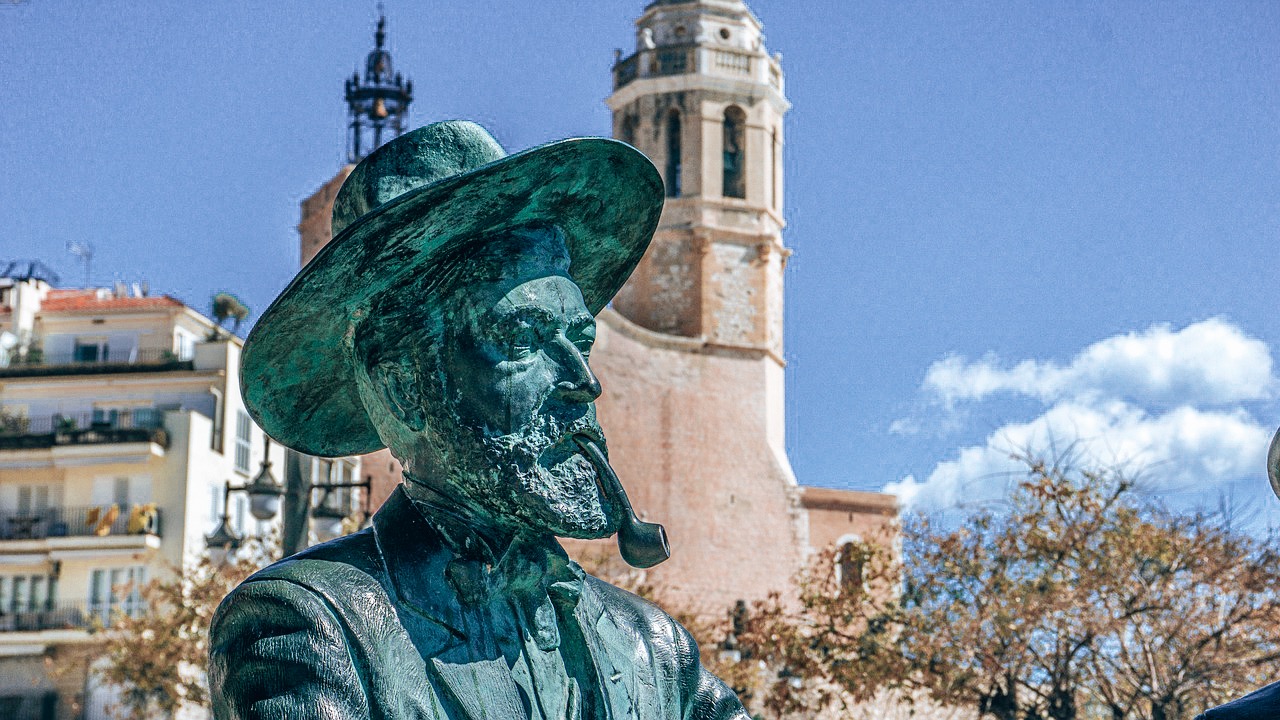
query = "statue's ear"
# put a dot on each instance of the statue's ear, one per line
(397, 385)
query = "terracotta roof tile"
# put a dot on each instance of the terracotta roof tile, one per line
(88, 301)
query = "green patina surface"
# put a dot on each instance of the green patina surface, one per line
(452, 319)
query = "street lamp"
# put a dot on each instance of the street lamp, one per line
(223, 540)
(264, 503)
(327, 517)
(265, 490)
(265, 493)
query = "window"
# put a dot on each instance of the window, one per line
(90, 351)
(26, 593)
(186, 345)
(120, 492)
(735, 125)
(629, 129)
(32, 499)
(216, 440)
(239, 505)
(106, 417)
(673, 154)
(849, 566)
(215, 504)
(116, 589)
(18, 598)
(775, 181)
(243, 426)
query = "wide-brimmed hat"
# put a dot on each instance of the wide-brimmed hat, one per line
(427, 191)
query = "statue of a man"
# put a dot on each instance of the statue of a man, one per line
(451, 319)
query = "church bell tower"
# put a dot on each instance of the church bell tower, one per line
(377, 110)
(690, 355)
(702, 97)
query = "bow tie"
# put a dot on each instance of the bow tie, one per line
(533, 580)
(532, 573)
(524, 571)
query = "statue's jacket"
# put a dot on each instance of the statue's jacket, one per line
(368, 626)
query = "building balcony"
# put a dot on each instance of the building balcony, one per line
(667, 60)
(83, 521)
(33, 433)
(700, 59)
(51, 616)
(70, 615)
(39, 364)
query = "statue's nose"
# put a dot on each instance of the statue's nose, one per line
(576, 382)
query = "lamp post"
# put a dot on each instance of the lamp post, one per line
(265, 494)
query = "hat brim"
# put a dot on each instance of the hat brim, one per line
(297, 372)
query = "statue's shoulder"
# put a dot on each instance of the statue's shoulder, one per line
(341, 570)
(671, 646)
(628, 606)
(644, 619)
(1261, 704)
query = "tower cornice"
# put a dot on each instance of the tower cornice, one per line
(667, 84)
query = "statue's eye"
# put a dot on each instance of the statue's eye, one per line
(583, 338)
(523, 342)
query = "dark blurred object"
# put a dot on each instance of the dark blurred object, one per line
(1263, 704)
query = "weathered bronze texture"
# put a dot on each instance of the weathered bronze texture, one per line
(452, 319)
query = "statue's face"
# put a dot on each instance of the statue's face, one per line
(516, 386)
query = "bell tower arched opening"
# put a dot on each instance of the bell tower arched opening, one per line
(674, 153)
(735, 131)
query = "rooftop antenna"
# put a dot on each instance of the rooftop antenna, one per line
(84, 251)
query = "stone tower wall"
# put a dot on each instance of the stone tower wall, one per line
(688, 428)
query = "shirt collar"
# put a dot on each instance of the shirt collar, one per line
(486, 563)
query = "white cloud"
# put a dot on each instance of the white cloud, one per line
(1163, 402)
(1211, 362)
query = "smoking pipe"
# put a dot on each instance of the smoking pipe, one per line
(641, 544)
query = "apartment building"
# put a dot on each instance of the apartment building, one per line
(120, 424)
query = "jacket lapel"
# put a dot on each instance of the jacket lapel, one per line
(617, 655)
(483, 689)
(415, 560)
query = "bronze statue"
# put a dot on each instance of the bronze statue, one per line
(451, 319)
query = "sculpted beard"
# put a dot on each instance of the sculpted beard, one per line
(536, 475)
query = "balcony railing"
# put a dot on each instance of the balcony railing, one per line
(692, 58)
(36, 362)
(19, 432)
(49, 616)
(72, 615)
(666, 60)
(83, 521)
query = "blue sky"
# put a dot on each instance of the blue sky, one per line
(1012, 221)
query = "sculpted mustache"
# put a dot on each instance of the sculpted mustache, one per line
(557, 430)
(551, 430)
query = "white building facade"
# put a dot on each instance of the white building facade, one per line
(120, 423)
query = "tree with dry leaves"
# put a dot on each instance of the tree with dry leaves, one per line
(157, 659)
(1081, 598)
(1199, 608)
